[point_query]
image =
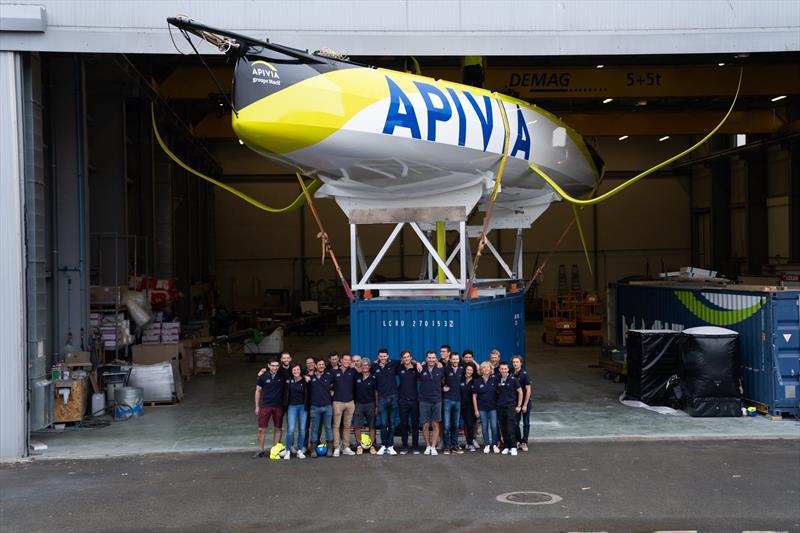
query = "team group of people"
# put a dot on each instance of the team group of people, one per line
(328, 399)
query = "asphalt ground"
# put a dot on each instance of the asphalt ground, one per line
(610, 486)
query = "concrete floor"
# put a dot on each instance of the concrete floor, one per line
(719, 486)
(572, 401)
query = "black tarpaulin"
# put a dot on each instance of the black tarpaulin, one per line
(710, 372)
(652, 358)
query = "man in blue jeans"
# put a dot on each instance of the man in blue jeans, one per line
(431, 377)
(408, 401)
(385, 372)
(321, 411)
(453, 374)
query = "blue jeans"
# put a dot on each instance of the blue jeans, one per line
(525, 418)
(321, 418)
(489, 427)
(296, 416)
(388, 410)
(452, 412)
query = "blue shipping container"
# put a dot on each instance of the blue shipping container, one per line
(479, 324)
(768, 323)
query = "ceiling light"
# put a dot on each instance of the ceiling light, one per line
(781, 97)
(623, 137)
(720, 64)
(607, 100)
(241, 141)
(600, 66)
(664, 138)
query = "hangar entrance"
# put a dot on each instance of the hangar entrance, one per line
(124, 219)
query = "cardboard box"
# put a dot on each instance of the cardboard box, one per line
(78, 359)
(148, 354)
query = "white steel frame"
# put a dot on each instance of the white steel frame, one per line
(454, 282)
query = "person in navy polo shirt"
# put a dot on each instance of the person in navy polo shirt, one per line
(484, 401)
(408, 402)
(296, 412)
(269, 400)
(343, 405)
(453, 375)
(468, 358)
(431, 377)
(320, 393)
(525, 416)
(444, 354)
(494, 360)
(385, 372)
(366, 401)
(509, 403)
(467, 410)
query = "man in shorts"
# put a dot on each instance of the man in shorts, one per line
(366, 394)
(269, 402)
(431, 377)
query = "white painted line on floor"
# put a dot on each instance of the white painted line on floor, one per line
(676, 531)
(508, 497)
(552, 423)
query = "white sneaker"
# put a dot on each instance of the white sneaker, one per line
(348, 451)
(434, 452)
(391, 451)
(336, 452)
(505, 451)
(475, 444)
(513, 451)
(487, 449)
(470, 448)
(495, 449)
(300, 454)
(382, 450)
(427, 450)
(287, 456)
(284, 453)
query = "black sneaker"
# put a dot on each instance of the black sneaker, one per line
(260, 455)
(403, 451)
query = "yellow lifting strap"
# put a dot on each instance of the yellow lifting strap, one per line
(561, 192)
(490, 210)
(298, 202)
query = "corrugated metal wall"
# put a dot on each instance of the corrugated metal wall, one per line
(35, 243)
(13, 434)
(422, 27)
(421, 325)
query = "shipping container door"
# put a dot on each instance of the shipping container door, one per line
(786, 348)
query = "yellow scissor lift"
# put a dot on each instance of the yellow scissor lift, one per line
(590, 318)
(560, 315)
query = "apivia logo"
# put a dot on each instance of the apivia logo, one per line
(265, 73)
(443, 106)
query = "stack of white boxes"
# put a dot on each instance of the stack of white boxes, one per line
(170, 332)
(114, 331)
(152, 333)
(162, 333)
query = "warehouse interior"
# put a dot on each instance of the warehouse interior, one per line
(109, 212)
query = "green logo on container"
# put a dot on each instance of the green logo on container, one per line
(735, 308)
